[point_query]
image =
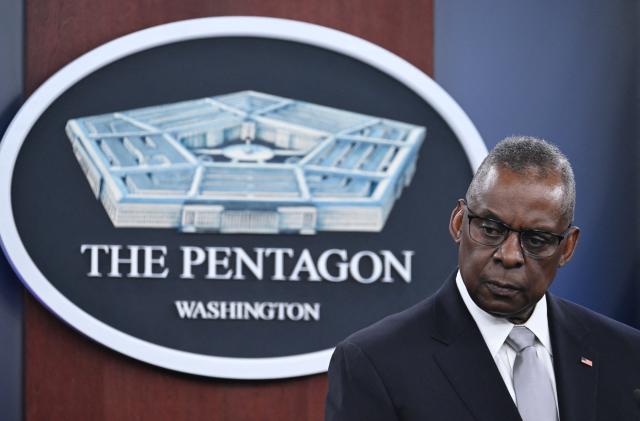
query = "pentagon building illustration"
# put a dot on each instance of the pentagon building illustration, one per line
(246, 162)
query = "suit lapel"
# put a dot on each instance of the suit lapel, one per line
(466, 361)
(576, 378)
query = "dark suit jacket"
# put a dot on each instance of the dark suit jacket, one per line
(430, 362)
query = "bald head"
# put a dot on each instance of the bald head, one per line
(532, 157)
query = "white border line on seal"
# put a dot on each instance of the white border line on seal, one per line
(231, 26)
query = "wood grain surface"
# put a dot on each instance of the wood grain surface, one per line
(70, 377)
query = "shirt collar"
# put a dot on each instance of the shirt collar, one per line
(495, 330)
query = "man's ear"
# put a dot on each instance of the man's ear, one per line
(456, 220)
(570, 242)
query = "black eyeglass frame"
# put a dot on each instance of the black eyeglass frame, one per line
(471, 215)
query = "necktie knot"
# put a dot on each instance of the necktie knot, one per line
(520, 338)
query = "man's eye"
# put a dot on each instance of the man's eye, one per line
(537, 241)
(491, 229)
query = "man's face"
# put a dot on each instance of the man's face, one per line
(503, 280)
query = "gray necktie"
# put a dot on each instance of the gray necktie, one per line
(534, 393)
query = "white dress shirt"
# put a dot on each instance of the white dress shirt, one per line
(495, 330)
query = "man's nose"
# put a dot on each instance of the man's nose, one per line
(509, 253)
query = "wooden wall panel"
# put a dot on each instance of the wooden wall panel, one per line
(57, 31)
(70, 377)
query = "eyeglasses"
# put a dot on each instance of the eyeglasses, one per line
(491, 232)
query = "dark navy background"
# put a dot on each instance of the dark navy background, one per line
(11, 290)
(568, 72)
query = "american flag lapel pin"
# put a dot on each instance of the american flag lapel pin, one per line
(586, 361)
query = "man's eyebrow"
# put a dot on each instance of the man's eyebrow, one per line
(487, 214)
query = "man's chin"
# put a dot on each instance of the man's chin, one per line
(515, 314)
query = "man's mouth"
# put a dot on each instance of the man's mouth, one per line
(502, 289)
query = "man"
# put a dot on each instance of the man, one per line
(492, 344)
